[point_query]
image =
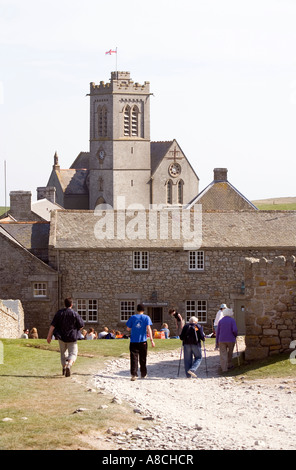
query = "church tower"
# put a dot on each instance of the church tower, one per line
(119, 165)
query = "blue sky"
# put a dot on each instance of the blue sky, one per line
(223, 74)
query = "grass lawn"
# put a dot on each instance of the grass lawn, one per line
(32, 387)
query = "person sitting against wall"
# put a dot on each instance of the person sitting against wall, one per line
(90, 334)
(103, 333)
(166, 330)
(110, 335)
(33, 334)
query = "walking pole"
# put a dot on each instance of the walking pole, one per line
(238, 360)
(205, 359)
(180, 360)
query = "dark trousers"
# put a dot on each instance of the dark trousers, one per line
(138, 353)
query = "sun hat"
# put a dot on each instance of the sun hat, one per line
(228, 312)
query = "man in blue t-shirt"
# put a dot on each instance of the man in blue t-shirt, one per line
(139, 325)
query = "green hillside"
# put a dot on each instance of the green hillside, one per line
(277, 204)
(2, 210)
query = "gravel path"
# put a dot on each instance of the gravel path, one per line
(210, 412)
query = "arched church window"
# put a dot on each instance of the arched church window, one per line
(127, 119)
(180, 191)
(169, 192)
(102, 121)
(131, 121)
(135, 120)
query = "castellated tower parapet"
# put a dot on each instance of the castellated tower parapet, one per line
(120, 83)
(120, 160)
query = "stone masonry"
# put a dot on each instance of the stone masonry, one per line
(11, 319)
(271, 308)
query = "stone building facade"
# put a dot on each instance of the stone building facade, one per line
(108, 276)
(271, 306)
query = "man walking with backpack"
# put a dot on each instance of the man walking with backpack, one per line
(192, 334)
(65, 327)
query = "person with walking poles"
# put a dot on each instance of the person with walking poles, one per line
(139, 325)
(65, 327)
(226, 339)
(192, 334)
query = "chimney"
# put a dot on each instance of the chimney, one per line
(220, 174)
(47, 192)
(20, 205)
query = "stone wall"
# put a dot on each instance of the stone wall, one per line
(271, 306)
(11, 319)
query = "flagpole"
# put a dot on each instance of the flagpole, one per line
(116, 65)
(5, 184)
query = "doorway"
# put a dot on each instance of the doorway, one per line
(155, 313)
(240, 316)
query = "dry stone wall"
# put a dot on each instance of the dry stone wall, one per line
(11, 319)
(271, 306)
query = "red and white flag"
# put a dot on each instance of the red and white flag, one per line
(110, 52)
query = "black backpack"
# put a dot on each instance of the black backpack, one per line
(193, 334)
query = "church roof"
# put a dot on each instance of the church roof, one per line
(81, 161)
(73, 181)
(158, 151)
(220, 229)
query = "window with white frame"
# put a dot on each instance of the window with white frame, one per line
(127, 309)
(196, 308)
(140, 260)
(196, 261)
(40, 289)
(88, 309)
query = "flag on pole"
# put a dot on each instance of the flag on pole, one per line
(110, 52)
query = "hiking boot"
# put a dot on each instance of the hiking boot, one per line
(67, 371)
(192, 373)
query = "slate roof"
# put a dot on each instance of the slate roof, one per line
(158, 151)
(4, 233)
(222, 195)
(43, 207)
(220, 229)
(73, 181)
(33, 236)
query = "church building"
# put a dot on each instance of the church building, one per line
(122, 165)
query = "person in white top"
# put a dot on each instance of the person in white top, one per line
(219, 315)
(91, 334)
(103, 333)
